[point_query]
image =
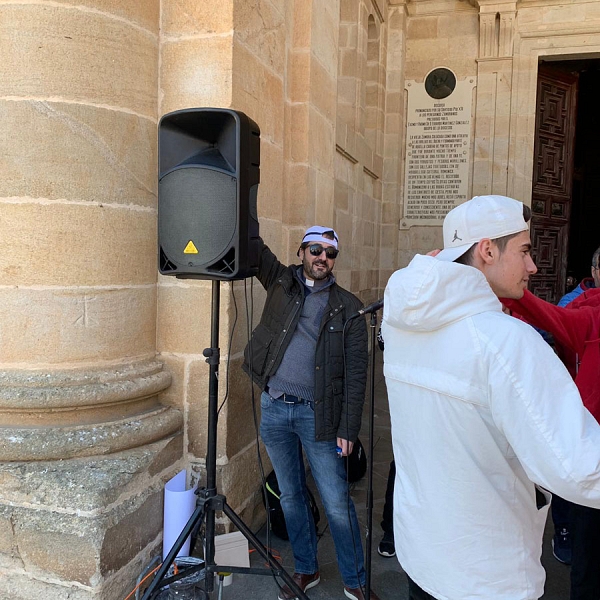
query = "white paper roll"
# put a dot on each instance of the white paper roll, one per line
(179, 507)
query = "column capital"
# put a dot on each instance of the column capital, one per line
(495, 6)
(496, 28)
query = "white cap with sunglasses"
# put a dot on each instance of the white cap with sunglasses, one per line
(315, 235)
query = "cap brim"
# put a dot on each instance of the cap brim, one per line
(451, 254)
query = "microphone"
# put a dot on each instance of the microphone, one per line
(374, 306)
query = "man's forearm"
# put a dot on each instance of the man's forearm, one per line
(554, 319)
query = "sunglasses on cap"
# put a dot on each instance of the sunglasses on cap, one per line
(317, 249)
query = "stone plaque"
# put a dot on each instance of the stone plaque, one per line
(438, 142)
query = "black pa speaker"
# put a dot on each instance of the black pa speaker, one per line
(209, 170)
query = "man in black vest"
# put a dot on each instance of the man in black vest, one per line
(297, 354)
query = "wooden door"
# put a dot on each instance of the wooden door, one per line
(552, 180)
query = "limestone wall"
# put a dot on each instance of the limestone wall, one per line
(500, 42)
(359, 137)
(231, 55)
(279, 62)
(436, 33)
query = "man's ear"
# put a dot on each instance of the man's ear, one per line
(486, 249)
(298, 253)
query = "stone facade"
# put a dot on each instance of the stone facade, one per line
(103, 385)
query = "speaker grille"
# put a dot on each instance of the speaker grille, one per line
(199, 205)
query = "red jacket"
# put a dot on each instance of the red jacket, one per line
(576, 330)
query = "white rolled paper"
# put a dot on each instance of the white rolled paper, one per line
(179, 507)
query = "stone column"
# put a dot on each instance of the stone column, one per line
(85, 444)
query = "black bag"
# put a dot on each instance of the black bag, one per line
(276, 518)
(356, 463)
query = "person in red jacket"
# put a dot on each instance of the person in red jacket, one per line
(576, 330)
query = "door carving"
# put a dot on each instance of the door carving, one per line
(552, 180)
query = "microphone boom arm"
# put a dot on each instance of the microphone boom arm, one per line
(371, 308)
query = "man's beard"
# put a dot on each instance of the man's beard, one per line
(317, 275)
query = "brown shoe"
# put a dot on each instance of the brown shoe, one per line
(303, 581)
(358, 594)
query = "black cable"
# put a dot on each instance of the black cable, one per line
(229, 350)
(249, 315)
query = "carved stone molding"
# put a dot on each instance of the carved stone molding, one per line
(83, 412)
(488, 40)
(496, 28)
(507, 34)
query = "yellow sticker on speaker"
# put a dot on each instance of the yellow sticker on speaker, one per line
(190, 248)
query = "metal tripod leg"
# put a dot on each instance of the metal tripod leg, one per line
(263, 551)
(159, 580)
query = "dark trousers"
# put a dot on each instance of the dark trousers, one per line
(560, 513)
(415, 592)
(387, 524)
(585, 565)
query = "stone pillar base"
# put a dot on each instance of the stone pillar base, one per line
(83, 528)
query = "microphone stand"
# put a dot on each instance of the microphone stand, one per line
(372, 310)
(368, 536)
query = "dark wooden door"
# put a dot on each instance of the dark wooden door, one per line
(552, 180)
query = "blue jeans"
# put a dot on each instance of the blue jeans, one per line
(285, 430)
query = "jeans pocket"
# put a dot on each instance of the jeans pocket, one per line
(265, 400)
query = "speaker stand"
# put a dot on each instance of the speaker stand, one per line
(209, 501)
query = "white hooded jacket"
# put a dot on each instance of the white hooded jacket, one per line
(481, 409)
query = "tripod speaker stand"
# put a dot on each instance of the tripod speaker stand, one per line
(209, 501)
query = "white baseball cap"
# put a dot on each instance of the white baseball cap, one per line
(315, 234)
(482, 217)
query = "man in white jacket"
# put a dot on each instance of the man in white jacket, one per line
(482, 412)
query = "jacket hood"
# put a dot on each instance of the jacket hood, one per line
(430, 294)
(587, 283)
(590, 297)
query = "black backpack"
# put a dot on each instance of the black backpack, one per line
(356, 463)
(276, 517)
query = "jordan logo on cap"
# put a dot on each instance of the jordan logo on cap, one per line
(456, 236)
